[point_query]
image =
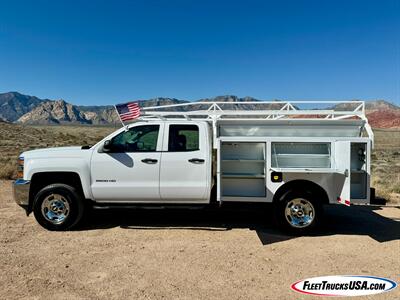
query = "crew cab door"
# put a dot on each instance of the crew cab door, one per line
(343, 166)
(130, 170)
(185, 174)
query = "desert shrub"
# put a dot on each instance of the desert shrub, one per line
(8, 171)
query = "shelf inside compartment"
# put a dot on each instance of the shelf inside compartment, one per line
(301, 161)
(243, 187)
(300, 155)
(359, 175)
(358, 184)
(308, 170)
(242, 151)
(243, 169)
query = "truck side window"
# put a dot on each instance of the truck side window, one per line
(136, 139)
(183, 138)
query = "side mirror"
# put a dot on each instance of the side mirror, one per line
(107, 146)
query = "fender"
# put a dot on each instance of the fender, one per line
(76, 165)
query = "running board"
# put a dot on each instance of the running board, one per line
(106, 206)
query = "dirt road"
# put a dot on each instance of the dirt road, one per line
(189, 254)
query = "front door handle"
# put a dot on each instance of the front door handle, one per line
(196, 160)
(150, 161)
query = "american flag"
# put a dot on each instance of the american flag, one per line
(128, 111)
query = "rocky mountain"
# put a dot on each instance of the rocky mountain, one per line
(384, 118)
(369, 106)
(61, 112)
(380, 105)
(15, 107)
(229, 99)
(54, 112)
(382, 114)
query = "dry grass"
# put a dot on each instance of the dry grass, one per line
(386, 164)
(16, 139)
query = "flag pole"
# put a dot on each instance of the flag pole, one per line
(126, 126)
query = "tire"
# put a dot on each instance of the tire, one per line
(299, 212)
(58, 207)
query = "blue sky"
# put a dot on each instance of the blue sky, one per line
(105, 52)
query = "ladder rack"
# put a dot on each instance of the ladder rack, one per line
(215, 111)
(270, 110)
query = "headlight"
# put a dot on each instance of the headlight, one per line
(20, 168)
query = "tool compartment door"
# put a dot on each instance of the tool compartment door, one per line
(343, 165)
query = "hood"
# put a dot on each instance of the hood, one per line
(54, 152)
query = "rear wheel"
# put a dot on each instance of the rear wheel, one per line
(299, 212)
(58, 207)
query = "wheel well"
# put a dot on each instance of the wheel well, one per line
(42, 179)
(302, 185)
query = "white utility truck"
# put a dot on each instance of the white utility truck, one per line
(195, 154)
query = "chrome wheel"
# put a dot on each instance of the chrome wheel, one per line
(55, 208)
(299, 212)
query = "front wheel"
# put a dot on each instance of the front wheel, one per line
(58, 207)
(299, 212)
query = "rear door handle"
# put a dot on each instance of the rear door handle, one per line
(196, 160)
(150, 161)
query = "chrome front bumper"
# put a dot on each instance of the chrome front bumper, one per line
(21, 192)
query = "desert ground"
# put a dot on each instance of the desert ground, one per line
(228, 254)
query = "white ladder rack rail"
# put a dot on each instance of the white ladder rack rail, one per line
(213, 112)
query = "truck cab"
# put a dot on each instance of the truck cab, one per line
(153, 162)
